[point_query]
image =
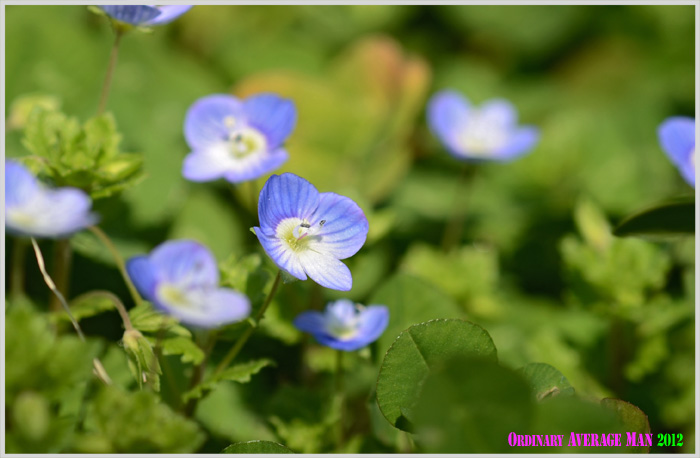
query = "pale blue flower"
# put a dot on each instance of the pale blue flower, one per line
(34, 210)
(181, 278)
(145, 15)
(238, 140)
(345, 325)
(677, 138)
(307, 233)
(487, 133)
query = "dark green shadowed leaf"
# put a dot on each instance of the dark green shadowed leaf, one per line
(546, 381)
(670, 218)
(259, 447)
(414, 353)
(470, 405)
(632, 417)
(240, 373)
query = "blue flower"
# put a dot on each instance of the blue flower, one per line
(345, 325)
(145, 15)
(34, 210)
(181, 278)
(238, 140)
(677, 138)
(306, 232)
(488, 133)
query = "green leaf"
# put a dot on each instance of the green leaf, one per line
(240, 373)
(84, 306)
(184, 346)
(411, 300)
(414, 353)
(632, 417)
(142, 359)
(138, 422)
(470, 405)
(546, 381)
(259, 447)
(23, 106)
(147, 319)
(669, 218)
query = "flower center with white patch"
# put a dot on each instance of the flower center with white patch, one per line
(173, 295)
(297, 232)
(21, 218)
(243, 140)
(481, 136)
(343, 328)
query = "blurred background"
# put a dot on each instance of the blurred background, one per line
(536, 264)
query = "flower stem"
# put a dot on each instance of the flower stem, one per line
(115, 301)
(119, 261)
(98, 369)
(247, 333)
(17, 269)
(339, 399)
(61, 271)
(453, 230)
(104, 95)
(198, 373)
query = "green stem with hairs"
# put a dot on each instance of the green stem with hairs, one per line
(106, 85)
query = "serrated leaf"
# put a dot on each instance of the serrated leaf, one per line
(676, 217)
(145, 318)
(414, 353)
(546, 381)
(184, 346)
(240, 373)
(259, 447)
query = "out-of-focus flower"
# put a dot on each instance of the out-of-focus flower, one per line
(487, 133)
(145, 15)
(34, 210)
(677, 138)
(181, 278)
(345, 325)
(307, 233)
(238, 140)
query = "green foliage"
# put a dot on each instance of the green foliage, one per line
(412, 356)
(670, 218)
(85, 157)
(240, 373)
(259, 447)
(123, 422)
(545, 381)
(633, 419)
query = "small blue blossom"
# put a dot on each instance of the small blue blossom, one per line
(181, 278)
(307, 233)
(34, 210)
(145, 15)
(487, 133)
(677, 138)
(238, 140)
(345, 325)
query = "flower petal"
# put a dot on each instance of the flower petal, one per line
(499, 112)
(184, 262)
(142, 275)
(217, 307)
(206, 165)
(345, 226)
(131, 14)
(168, 13)
(448, 113)
(677, 137)
(311, 321)
(274, 116)
(521, 142)
(285, 196)
(20, 184)
(373, 321)
(326, 270)
(205, 121)
(280, 255)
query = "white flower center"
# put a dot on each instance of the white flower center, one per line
(345, 326)
(21, 218)
(296, 232)
(243, 140)
(481, 136)
(174, 295)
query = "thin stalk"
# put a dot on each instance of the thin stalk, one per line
(198, 374)
(246, 335)
(118, 304)
(119, 261)
(104, 94)
(61, 270)
(98, 369)
(453, 230)
(17, 269)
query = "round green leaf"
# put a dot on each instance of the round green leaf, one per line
(414, 353)
(259, 447)
(632, 417)
(470, 405)
(670, 218)
(546, 381)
